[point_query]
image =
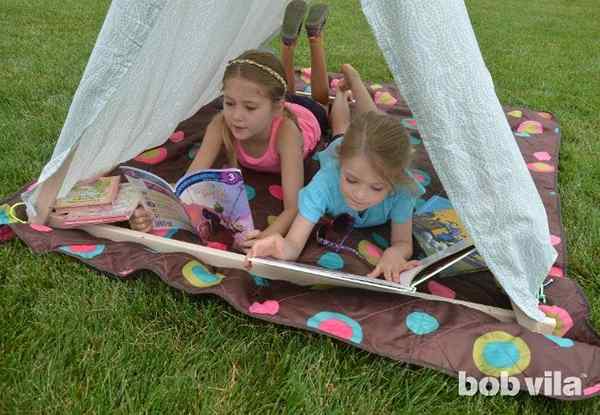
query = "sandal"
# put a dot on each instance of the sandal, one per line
(292, 21)
(317, 16)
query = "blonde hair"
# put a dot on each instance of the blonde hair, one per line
(264, 69)
(384, 142)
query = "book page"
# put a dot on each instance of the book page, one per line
(216, 199)
(159, 199)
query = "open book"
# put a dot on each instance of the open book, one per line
(206, 202)
(101, 191)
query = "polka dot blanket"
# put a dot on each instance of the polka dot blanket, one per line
(443, 336)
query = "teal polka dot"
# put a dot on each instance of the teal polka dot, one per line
(192, 151)
(414, 140)
(419, 203)
(260, 281)
(551, 193)
(380, 240)
(331, 260)
(501, 354)
(523, 134)
(205, 277)
(561, 341)
(421, 323)
(250, 192)
(557, 130)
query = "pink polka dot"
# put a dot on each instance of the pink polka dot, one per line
(420, 178)
(177, 136)
(556, 272)
(540, 167)
(31, 186)
(337, 328)
(384, 98)
(217, 245)
(276, 191)
(334, 83)
(153, 156)
(305, 75)
(542, 156)
(563, 319)
(270, 307)
(6, 233)
(591, 390)
(441, 290)
(40, 228)
(530, 127)
(79, 249)
(554, 240)
(126, 272)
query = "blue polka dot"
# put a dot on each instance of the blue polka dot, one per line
(260, 281)
(557, 130)
(421, 323)
(250, 192)
(207, 278)
(419, 203)
(331, 260)
(561, 341)
(414, 140)
(307, 89)
(501, 354)
(4, 219)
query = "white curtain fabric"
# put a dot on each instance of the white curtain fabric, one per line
(154, 64)
(432, 52)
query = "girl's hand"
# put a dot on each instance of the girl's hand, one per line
(391, 264)
(141, 220)
(248, 240)
(272, 245)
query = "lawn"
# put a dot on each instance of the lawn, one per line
(74, 341)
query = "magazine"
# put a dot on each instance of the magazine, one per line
(437, 227)
(207, 202)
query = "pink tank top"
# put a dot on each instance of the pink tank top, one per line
(269, 161)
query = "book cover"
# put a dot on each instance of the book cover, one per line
(100, 192)
(436, 230)
(212, 203)
(121, 209)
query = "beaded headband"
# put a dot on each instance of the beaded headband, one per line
(264, 68)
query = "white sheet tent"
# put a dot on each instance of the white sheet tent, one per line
(157, 61)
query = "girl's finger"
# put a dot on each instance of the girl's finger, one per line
(375, 273)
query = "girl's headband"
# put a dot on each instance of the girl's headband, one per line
(264, 68)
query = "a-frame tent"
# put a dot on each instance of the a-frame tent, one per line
(156, 62)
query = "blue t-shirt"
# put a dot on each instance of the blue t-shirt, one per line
(323, 196)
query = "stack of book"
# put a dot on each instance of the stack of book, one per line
(105, 200)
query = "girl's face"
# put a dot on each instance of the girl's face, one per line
(361, 186)
(248, 110)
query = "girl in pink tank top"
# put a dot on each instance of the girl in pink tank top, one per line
(257, 127)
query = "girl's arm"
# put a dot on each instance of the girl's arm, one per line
(353, 81)
(288, 248)
(395, 259)
(210, 147)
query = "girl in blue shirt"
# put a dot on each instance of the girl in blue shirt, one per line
(364, 174)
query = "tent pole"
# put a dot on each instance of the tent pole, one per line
(224, 259)
(49, 189)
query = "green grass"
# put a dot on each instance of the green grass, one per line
(74, 341)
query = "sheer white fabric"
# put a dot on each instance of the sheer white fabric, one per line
(154, 64)
(432, 52)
